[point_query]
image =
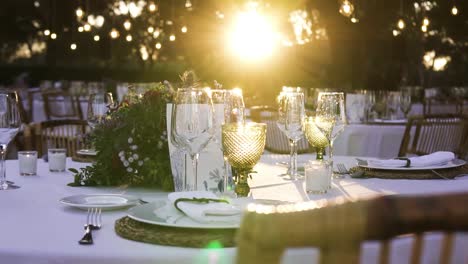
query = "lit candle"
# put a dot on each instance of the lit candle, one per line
(317, 176)
(57, 159)
(27, 163)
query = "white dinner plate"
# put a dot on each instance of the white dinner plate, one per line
(145, 213)
(451, 164)
(87, 152)
(103, 201)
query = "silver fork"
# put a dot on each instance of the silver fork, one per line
(93, 222)
(341, 168)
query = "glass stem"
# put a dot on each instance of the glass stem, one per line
(3, 182)
(227, 167)
(291, 154)
(195, 171)
(293, 164)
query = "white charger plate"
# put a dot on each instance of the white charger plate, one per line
(451, 164)
(145, 213)
(103, 201)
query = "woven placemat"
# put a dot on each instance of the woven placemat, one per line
(359, 172)
(172, 236)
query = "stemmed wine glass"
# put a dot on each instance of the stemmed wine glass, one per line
(404, 101)
(10, 123)
(98, 108)
(192, 125)
(291, 113)
(331, 117)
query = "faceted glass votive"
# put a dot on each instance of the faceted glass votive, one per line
(27, 161)
(57, 159)
(317, 176)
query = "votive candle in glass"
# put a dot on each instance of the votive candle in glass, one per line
(27, 161)
(317, 176)
(57, 159)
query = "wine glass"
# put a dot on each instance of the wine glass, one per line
(315, 137)
(10, 123)
(243, 146)
(291, 113)
(192, 125)
(331, 117)
(98, 108)
(404, 101)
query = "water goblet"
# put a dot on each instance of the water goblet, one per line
(404, 101)
(243, 145)
(192, 125)
(315, 137)
(10, 123)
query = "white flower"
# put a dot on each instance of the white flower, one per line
(129, 169)
(135, 156)
(160, 144)
(121, 153)
(130, 159)
(133, 147)
(146, 159)
(140, 163)
(122, 158)
(130, 140)
(126, 163)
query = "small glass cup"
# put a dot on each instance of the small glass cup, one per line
(57, 159)
(317, 176)
(27, 162)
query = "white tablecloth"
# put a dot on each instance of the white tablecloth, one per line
(36, 228)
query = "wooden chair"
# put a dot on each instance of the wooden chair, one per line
(276, 141)
(436, 105)
(338, 229)
(430, 133)
(60, 134)
(61, 105)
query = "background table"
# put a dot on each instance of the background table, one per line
(36, 228)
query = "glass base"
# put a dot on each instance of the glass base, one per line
(7, 187)
(316, 191)
(28, 174)
(338, 176)
(56, 170)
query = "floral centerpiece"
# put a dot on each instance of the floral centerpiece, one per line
(131, 144)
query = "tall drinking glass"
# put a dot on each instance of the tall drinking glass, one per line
(404, 102)
(98, 107)
(192, 125)
(291, 113)
(10, 123)
(331, 117)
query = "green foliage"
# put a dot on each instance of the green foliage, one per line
(132, 144)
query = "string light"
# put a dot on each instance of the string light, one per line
(150, 29)
(96, 38)
(53, 36)
(172, 37)
(188, 4)
(79, 12)
(47, 32)
(156, 33)
(152, 7)
(127, 25)
(158, 45)
(454, 10)
(87, 27)
(73, 46)
(426, 21)
(114, 33)
(80, 29)
(129, 38)
(401, 24)
(99, 21)
(184, 29)
(346, 8)
(37, 4)
(354, 20)
(424, 28)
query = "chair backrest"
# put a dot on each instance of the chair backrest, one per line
(338, 229)
(60, 134)
(430, 133)
(436, 105)
(61, 105)
(276, 140)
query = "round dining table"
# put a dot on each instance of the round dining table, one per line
(37, 228)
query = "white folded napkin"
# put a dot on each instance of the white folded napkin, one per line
(206, 212)
(436, 158)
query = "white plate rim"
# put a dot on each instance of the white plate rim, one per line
(131, 200)
(86, 153)
(135, 214)
(451, 164)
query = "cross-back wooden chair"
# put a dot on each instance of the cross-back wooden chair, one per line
(430, 133)
(61, 105)
(276, 140)
(338, 229)
(60, 134)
